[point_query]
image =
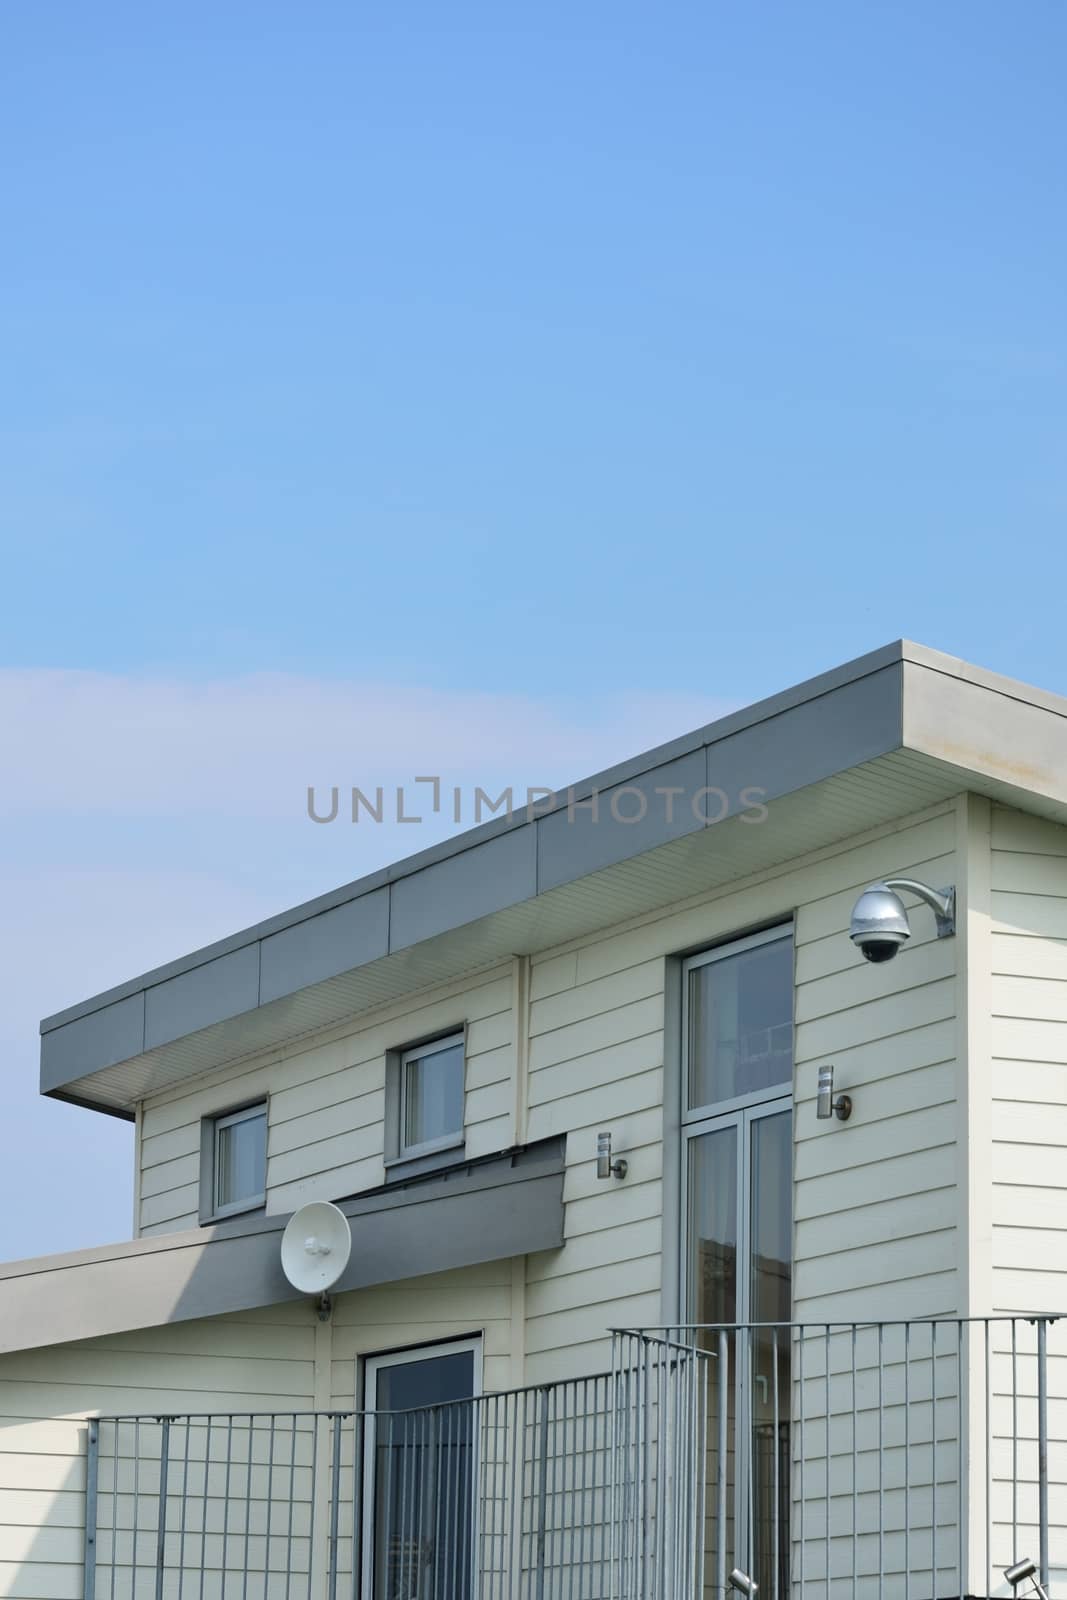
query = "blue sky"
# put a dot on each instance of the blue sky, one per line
(500, 389)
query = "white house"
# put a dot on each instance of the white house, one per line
(818, 1350)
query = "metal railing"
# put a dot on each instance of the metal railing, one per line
(914, 1459)
(507, 1496)
(911, 1459)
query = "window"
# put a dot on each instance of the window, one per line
(431, 1096)
(235, 1161)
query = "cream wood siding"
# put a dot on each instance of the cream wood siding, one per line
(327, 1105)
(876, 1230)
(1029, 1062)
(278, 1359)
(256, 1361)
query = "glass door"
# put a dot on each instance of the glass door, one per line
(738, 1252)
(419, 1473)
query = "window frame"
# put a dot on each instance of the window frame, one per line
(402, 1159)
(367, 1370)
(211, 1208)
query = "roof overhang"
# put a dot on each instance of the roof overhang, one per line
(893, 732)
(490, 1210)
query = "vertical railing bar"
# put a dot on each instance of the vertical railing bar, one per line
(654, 1475)
(92, 1481)
(610, 1506)
(184, 1504)
(589, 1496)
(494, 1536)
(136, 1504)
(665, 1572)
(554, 1552)
(683, 1478)
(542, 1490)
(408, 1430)
(775, 1454)
(626, 1410)
(316, 1420)
(204, 1511)
(826, 1430)
(161, 1520)
(518, 1499)
(960, 1341)
(433, 1464)
(691, 1468)
(646, 1460)
(882, 1418)
(335, 1507)
(933, 1456)
(270, 1502)
(855, 1471)
(988, 1461)
(800, 1460)
(664, 1460)
(1042, 1447)
(292, 1505)
(720, 1532)
(907, 1461)
(116, 1436)
(453, 1417)
(1014, 1438)
(701, 1498)
(383, 1422)
(248, 1505)
(420, 1454)
(451, 1476)
(682, 1483)
(452, 1480)
(578, 1482)
(226, 1509)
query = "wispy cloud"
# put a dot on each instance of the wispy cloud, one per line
(78, 742)
(146, 816)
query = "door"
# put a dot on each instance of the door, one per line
(738, 1241)
(419, 1472)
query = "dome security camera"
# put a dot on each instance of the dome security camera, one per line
(880, 926)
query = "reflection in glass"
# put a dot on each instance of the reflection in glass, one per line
(741, 1023)
(713, 1225)
(713, 1297)
(423, 1479)
(241, 1159)
(433, 1095)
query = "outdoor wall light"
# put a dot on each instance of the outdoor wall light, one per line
(605, 1166)
(742, 1582)
(1026, 1569)
(826, 1105)
(880, 924)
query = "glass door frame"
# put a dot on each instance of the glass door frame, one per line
(742, 1113)
(367, 1389)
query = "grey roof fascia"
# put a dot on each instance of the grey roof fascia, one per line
(903, 696)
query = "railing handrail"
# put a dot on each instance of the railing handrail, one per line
(656, 1330)
(356, 1412)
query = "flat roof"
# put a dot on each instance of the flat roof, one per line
(457, 905)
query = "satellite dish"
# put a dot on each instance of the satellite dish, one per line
(316, 1245)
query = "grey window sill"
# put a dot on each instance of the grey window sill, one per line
(209, 1218)
(410, 1166)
